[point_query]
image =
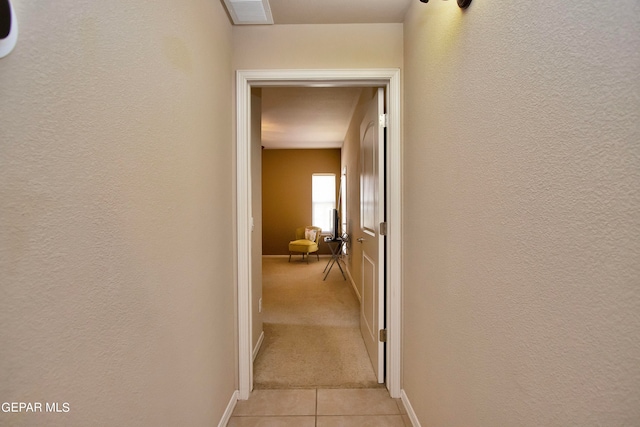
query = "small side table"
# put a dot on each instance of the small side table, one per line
(335, 245)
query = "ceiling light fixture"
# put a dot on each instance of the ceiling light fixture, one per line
(249, 12)
(462, 3)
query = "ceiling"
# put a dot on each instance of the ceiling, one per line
(318, 117)
(307, 117)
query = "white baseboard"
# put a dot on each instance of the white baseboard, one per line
(229, 411)
(410, 412)
(353, 284)
(258, 345)
(298, 254)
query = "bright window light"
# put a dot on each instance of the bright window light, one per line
(323, 200)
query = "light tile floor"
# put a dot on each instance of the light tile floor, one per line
(320, 408)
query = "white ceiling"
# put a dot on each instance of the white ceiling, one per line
(307, 117)
(318, 117)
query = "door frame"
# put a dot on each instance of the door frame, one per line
(389, 78)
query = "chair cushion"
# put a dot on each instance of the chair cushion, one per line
(302, 245)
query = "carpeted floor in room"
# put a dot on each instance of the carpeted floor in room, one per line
(312, 333)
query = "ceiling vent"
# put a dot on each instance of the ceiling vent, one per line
(249, 12)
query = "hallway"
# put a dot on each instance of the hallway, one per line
(320, 408)
(128, 222)
(313, 369)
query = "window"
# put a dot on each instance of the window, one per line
(323, 200)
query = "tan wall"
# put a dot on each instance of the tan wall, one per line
(521, 196)
(116, 271)
(317, 46)
(286, 189)
(256, 214)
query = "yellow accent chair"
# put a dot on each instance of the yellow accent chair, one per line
(307, 241)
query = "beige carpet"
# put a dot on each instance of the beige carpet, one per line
(312, 334)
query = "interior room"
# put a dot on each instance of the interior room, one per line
(129, 285)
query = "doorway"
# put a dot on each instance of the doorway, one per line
(386, 78)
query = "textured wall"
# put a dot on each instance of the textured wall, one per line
(318, 46)
(116, 213)
(256, 213)
(521, 238)
(286, 193)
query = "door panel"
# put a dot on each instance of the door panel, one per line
(372, 243)
(368, 177)
(369, 312)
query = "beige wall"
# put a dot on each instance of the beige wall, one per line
(286, 189)
(256, 214)
(317, 46)
(521, 229)
(116, 209)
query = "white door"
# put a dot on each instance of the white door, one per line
(372, 206)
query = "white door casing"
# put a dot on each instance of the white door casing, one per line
(372, 208)
(390, 80)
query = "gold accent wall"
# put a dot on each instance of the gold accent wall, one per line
(286, 193)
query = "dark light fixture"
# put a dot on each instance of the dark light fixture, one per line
(5, 19)
(462, 3)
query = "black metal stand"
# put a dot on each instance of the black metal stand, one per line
(335, 245)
